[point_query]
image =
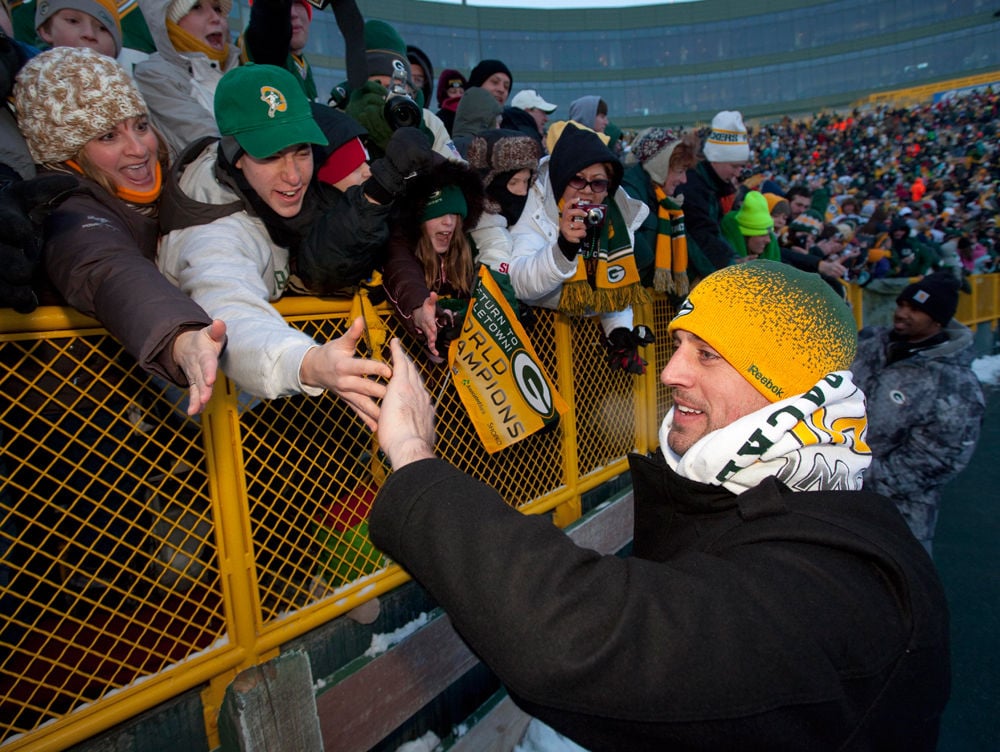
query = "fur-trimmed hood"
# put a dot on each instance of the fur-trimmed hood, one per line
(443, 173)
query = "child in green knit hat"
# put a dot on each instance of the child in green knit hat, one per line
(749, 230)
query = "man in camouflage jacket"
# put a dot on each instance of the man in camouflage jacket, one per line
(925, 405)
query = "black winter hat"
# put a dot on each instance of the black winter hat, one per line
(486, 68)
(577, 149)
(936, 295)
(337, 126)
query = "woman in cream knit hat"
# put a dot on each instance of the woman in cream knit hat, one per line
(81, 114)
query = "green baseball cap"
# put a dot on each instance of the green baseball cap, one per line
(264, 108)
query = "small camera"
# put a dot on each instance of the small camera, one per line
(595, 213)
(593, 218)
(400, 110)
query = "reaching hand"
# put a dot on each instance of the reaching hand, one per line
(197, 353)
(425, 319)
(832, 268)
(406, 425)
(334, 366)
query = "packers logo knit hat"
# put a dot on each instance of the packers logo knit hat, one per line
(264, 108)
(67, 96)
(783, 329)
(447, 200)
(727, 140)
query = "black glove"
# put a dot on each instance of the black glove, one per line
(365, 105)
(407, 153)
(23, 206)
(623, 348)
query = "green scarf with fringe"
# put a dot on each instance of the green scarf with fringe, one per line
(609, 280)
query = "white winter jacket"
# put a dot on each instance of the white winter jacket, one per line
(233, 270)
(538, 268)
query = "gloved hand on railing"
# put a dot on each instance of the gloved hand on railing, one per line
(623, 348)
(22, 208)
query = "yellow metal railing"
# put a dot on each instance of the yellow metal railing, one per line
(145, 554)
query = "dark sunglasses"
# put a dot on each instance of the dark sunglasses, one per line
(599, 185)
(455, 84)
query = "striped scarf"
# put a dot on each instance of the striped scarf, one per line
(609, 281)
(671, 247)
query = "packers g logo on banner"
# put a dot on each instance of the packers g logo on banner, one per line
(532, 384)
(274, 100)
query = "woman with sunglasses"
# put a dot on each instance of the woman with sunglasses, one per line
(572, 246)
(450, 88)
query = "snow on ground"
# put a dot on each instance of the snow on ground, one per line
(426, 743)
(540, 738)
(382, 642)
(987, 369)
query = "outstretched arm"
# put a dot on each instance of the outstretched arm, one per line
(334, 366)
(406, 423)
(196, 352)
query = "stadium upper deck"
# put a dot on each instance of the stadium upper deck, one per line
(681, 63)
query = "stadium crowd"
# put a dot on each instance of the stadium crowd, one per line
(175, 193)
(211, 177)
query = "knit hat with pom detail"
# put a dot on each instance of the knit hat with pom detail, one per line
(781, 328)
(653, 149)
(67, 96)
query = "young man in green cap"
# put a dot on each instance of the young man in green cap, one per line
(233, 215)
(768, 602)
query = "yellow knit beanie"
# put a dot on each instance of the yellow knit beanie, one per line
(781, 328)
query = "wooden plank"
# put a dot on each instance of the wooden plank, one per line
(608, 528)
(271, 706)
(364, 707)
(499, 730)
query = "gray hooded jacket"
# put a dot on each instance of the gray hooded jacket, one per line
(179, 87)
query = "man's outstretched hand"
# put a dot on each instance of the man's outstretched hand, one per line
(406, 422)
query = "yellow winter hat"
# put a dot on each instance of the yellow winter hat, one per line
(783, 329)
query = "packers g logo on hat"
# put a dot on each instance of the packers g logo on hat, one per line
(274, 100)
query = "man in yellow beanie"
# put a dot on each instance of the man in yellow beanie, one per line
(768, 602)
